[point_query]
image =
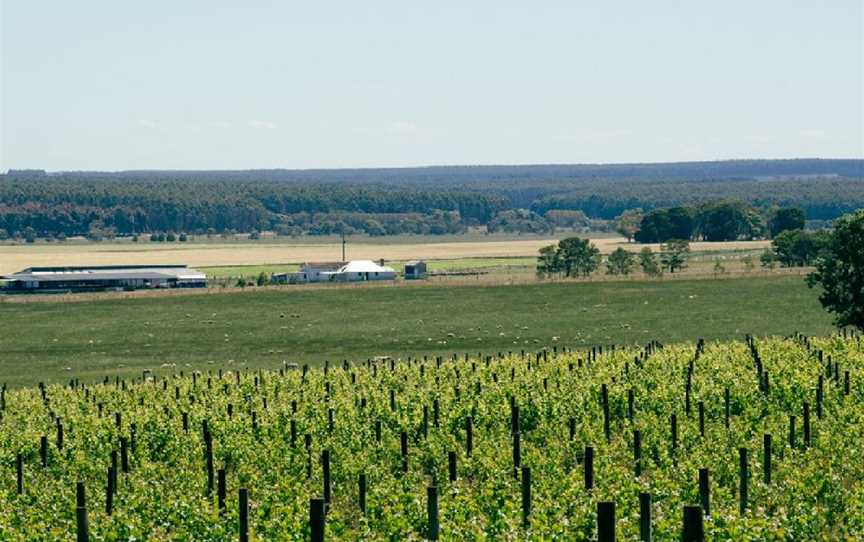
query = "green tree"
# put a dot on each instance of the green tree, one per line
(620, 262)
(674, 254)
(728, 221)
(548, 262)
(579, 257)
(719, 268)
(840, 271)
(99, 231)
(661, 225)
(798, 248)
(654, 227)
(648, 262)
(768, 260)
(627, 223)
(790, 218)
(263, 279)
(29, 235)
(681, 220)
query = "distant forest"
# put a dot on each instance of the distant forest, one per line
(431, 200)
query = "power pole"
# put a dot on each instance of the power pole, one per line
(343, 245)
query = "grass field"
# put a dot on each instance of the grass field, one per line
(54, 341)
(458, 264)
(279, 254)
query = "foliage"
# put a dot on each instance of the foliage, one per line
(728, 221)
(815, 492)
(662, 225)
(520, 221)
(567, 219)
(548, 262)
(840, 271)
(627, 223)
(674, 254)
(649, 264)
(620, 262)
(798, 248)
(790, 218)
(242, 201)
(573, 257)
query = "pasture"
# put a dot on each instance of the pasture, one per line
(55, 340)
(278, 253)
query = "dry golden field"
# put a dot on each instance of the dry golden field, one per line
(16, 257)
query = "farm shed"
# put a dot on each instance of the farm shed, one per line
(101, 278)
(415, 270)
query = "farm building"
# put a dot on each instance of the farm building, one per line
(415, 270)
(310, 272)
(101, 278)
(364, 270)
(355, 271)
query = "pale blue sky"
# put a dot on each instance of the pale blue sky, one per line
(252, 84)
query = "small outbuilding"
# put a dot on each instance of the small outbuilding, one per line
(415, 270)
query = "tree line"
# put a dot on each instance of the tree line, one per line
(713, 221)
(71, 205)
(574, 257)
(516, 199)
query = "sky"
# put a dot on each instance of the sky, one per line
(183, 84)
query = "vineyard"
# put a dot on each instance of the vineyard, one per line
(758, 439)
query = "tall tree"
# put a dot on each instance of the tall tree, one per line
(798, 248)
(579, 257)
(649, 264)
(728, 221)
(548, 262)
(681, 221)
(620, 262)
(790, 218)
(627, 223)
(840, 271)
(675, 253)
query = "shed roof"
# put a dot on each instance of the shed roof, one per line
(57, 274)
(365, 266)
(323, 265)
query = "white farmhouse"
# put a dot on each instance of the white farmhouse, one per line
(362, 270)
(355, 271)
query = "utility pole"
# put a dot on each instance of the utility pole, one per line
(343, 245)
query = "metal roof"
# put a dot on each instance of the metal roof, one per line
(102, 273)
(84, 268)
(365, 266)
(322, 265)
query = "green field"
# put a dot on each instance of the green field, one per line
(53, 341)
(456, 264)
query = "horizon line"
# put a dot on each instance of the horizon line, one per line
(440, 166)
